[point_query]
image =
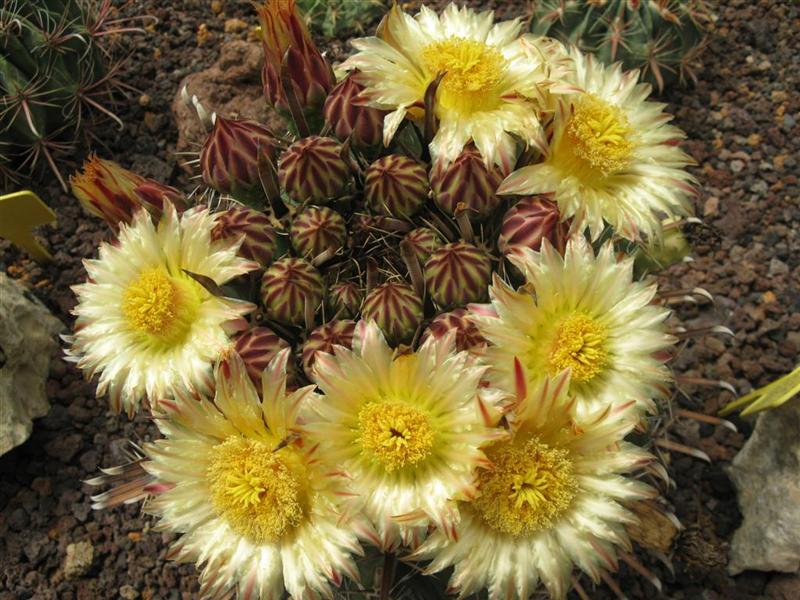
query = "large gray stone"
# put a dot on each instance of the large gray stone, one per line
(766, 473)
(27, 341)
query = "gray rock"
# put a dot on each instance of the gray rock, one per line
(27, 341)
(79, 560)
(766, 473)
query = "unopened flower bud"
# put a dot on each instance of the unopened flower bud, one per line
(232, 156)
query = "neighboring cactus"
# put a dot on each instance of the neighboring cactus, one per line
(662, 38)
(56, 80)
(333, 18)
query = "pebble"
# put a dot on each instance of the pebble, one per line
(128, 592)
(737, 165)
(79, 559)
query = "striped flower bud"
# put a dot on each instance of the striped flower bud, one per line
(350, 118)
(397, 310)
(457, 274)
(232, 155)
(467, 334)
(287, 286)
(530, 221)
(114, 194)
(423, 242)
(323, 339)
(317, 229)
(257, 347)
(344, 299)
(285, 37)
(260, 241)
(467, 180)
(312, 170)
(395, 185)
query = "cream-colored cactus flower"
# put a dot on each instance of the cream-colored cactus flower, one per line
(551, 500)
(613, 157)
(144, 325)
(494, 79)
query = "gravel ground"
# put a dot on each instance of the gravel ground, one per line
(742, 126)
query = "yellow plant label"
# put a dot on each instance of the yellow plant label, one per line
(20, 213)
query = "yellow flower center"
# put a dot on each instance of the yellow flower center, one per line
(160, 306)
(255, 490)
(472, 70)
(395, 434)
(600, 135)
(580, 345)
(528, 487)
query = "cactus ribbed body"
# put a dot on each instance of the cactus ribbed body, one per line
(662, 38)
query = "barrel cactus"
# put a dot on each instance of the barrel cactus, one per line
(56, 79)
(662, 38)
(460, 220)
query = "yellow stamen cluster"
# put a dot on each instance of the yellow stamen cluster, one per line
(580, 345)
(529, 486)
(160, 305)
(600, 135)
(472, 70)
(255, 490)
(395, 434)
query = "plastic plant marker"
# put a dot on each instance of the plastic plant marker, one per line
(20, 213)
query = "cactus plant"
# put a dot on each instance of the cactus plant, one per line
(662, 38)
(332, 18)
(56, 79)
(378, 241)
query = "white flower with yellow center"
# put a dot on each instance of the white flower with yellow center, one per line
(257, 510)
(582, 313)
(143, 323)
(551, 501)
(493, 78)
(407, 428)
(613, 157)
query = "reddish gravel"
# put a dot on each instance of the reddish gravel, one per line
(742, 126)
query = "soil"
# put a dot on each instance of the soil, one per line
(742, 129)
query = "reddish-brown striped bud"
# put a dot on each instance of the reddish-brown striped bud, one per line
(259, 242)
(468, 336)
(114, 194)
(312, 170)
(317, 229)
(257, 347)
(423, 242)
(467, 180)
(395, 185)
(233, 155)
(350, 117)
(397, 310)
(530, 221)
(457, 274)
(287, 287)
(323, 339)
(284, 37)
(344, 299)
